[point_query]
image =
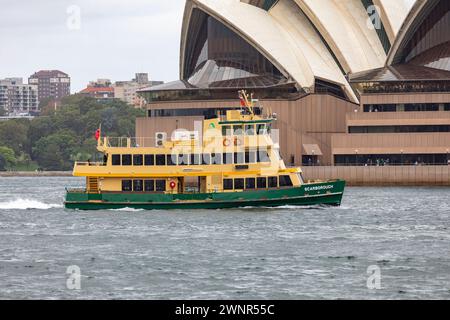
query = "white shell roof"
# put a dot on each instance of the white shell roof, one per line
(287, 36)
(394, 12)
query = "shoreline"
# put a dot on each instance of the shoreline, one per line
(15, 174)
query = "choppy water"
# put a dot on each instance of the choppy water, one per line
(286, 253)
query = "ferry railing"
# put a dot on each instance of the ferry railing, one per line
(134, 142)
(264, 139)
(90, 164)
(76, 190)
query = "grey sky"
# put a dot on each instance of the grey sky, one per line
(117, 38)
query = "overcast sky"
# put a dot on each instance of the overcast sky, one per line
(115, 39)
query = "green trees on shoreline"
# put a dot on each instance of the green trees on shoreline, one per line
(59, 137)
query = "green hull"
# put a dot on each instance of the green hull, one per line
(327, 193)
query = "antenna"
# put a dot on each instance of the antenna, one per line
(243, 96)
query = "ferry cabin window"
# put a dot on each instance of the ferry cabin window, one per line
(285, 181)
(250, 130)
(138, 160)
(126, 159)
(227, 158)
(126, 185)
(239, 184)
(272, 182)
(239, 158)
(116, 160)
(160, 185)
(171, 160)
(160, 160)
(149, 159)
(226, 131)
(250, 183)
(195, 159)
(261, 128)
(138, 185)
(183, 159)
(263, 156)
(261, 183)
(238, 130)
(149, 185)
(250, 157)
(206, 159)
(216, 158)
(227, 184)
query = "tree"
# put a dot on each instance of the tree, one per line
(38, 128)
(13, 134)
(67, 134)
(47, 106)
(8, 158)
(2, 163)
(55, 151)
(3, 112)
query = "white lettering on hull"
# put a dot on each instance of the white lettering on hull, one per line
(319, 188)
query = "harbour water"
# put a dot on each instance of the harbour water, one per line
(284, 253)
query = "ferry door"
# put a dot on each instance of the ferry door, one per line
(202, 184)
(180, 185)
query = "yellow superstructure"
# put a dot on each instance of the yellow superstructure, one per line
(233, 152)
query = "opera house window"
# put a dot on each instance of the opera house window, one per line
(217, 57)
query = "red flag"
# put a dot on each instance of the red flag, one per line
(97, 134)
(243, 104)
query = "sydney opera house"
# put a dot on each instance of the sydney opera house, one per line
(353, 82)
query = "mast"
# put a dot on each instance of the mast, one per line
(246, 102)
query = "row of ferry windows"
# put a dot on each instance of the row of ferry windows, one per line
(228, 184)
(189, 159)
(144, 185)
(248, 129)
(257, 183)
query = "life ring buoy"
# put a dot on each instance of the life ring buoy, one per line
(237, 141)
(172, 184)
(226, 142)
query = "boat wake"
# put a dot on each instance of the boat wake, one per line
(27, 204)
(287, 207)
(127, 210)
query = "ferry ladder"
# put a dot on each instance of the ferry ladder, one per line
(92, 184)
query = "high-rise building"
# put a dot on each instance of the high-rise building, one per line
(127, 90)
(52, 84)
(18, 98)
(141, 78)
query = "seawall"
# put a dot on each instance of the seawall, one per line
(36, 174)
(383, 176)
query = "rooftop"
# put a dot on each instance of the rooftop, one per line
(401, 72)
(50, 74)
(97, 89)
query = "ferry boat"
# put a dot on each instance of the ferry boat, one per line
(232, 162)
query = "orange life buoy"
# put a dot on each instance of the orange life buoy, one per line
(237, 141)
(172, 184)
(226, 142)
